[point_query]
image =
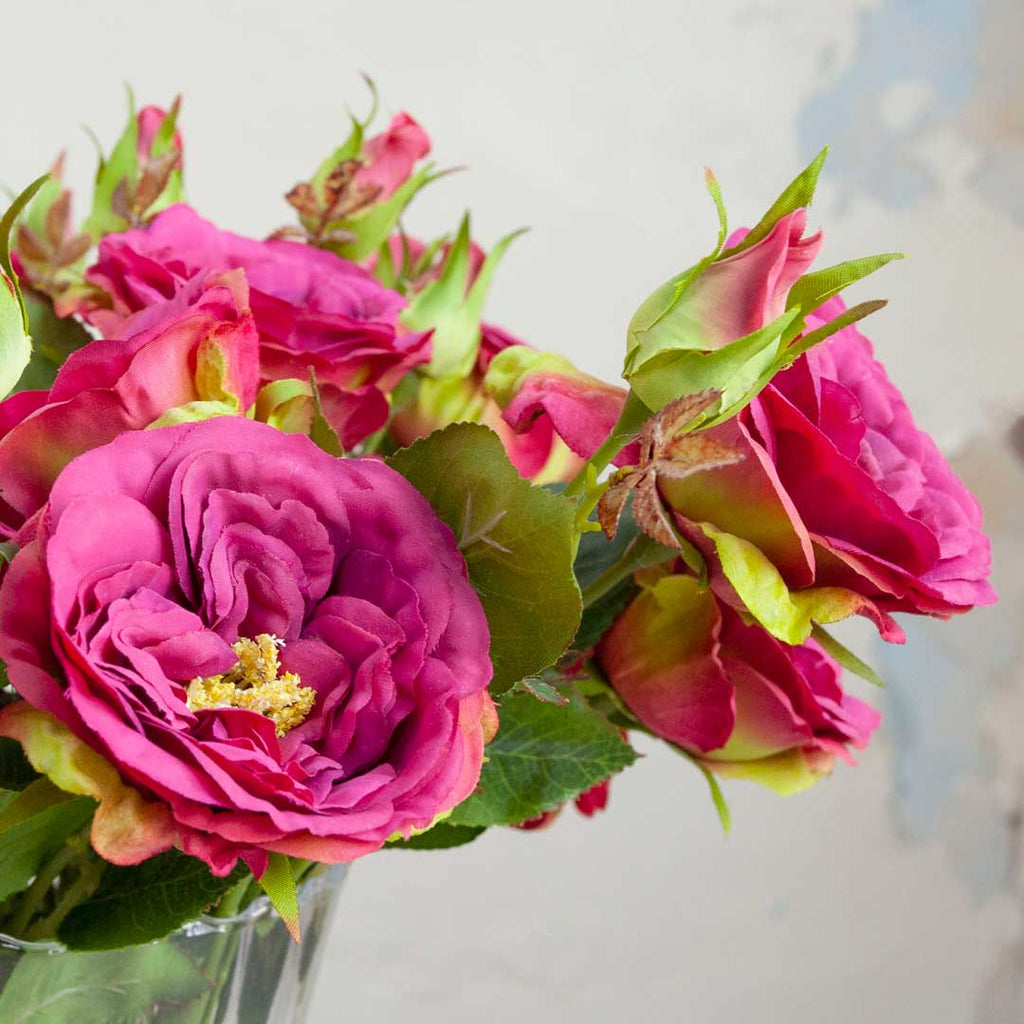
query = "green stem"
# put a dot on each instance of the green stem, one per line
(633, 416)
(77, 892)
(608, 581)
(37, 892)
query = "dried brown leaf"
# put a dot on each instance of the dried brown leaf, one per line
(154, 180)
(121, 201)
(612, 503)
(30, 247)
(58, 220)
(73, 250)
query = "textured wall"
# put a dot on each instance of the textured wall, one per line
(888, 894)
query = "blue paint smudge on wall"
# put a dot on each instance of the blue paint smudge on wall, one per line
(930, 43)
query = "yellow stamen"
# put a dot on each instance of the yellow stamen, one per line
(256, 683)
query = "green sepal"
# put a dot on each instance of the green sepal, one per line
(817, 287)
(452, 308)
(441, 837)
(845, 656)
(15, 339)
(365, 232)
(670, 373)
(121, 165)
(788, 615)
(321, 433)
(717, 796)
(278, 882)
(798, 193)
(542, 756)
(790, 350)
(517, 539)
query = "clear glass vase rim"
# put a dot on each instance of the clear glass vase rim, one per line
(205, 924)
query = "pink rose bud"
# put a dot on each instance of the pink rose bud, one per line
(388, 158)
(539, 387)
(742, 703)
(150, 119)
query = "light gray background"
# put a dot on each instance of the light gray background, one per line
(883, 895)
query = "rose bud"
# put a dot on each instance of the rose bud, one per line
(736, 699)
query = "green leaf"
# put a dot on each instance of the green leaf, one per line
(15, 771)
(543, 689)
(845, 656)
(542, 756)
(121, 165)
(441, 837)
(33, 838)
(799, 192)
(15, 340)
(517, 541)
(278, 882)
(813, 289)
(102, 988)
(146, 902)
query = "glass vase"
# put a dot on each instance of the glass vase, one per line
(234, 970)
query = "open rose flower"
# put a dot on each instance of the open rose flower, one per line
(739, 701)
(280, 648)
(194, 355)
(837, 486)
(314, 310)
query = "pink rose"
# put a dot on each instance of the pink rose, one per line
(280, 647)
(313, 309)
(199, 348)
(739, 701)
(388, 158)
(838, 487)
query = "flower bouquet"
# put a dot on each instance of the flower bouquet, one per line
(303, 558)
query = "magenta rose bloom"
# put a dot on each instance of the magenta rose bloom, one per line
(280, 647)
(738, 700)
(196, 352)
(838, 487)
(313, 309)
